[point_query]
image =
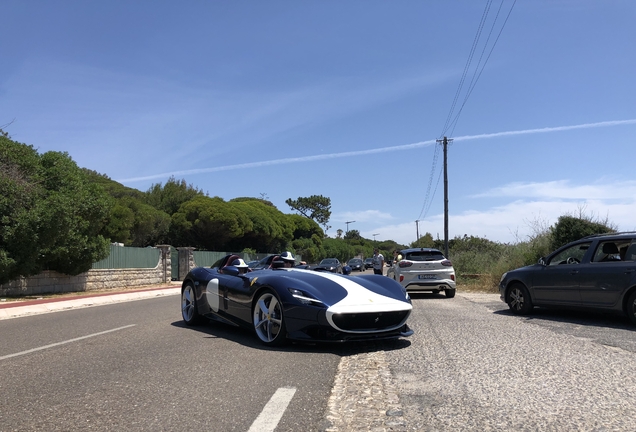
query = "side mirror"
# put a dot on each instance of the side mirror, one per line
(346, 270)
(230, 270)
(541, 261)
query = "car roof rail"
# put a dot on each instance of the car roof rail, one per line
(609, 234)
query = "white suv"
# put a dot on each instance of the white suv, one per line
(424, 270)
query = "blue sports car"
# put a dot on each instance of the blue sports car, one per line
(283, 304)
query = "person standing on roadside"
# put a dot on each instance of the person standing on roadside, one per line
(397, 256)
(378, 262)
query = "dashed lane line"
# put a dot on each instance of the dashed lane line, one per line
(268, 419)
(64, 342)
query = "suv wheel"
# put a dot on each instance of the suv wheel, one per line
(450, 293)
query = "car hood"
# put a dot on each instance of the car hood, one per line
(348, 294)
(524, 269)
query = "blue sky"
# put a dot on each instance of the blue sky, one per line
(345, 99)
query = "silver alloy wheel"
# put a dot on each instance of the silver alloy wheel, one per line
(516, 299)
(268, 317)
(188, 311)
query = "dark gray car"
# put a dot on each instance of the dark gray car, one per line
(597, 272)
(356, 264)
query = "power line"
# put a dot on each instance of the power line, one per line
(476, 75)
(467, 66)
(428, 198)
(430, 182)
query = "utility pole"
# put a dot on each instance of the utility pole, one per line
(417, 231)
(445, 142)
(348, 222)
(377, 234)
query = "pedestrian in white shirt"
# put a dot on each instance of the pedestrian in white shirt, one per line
(378, 262)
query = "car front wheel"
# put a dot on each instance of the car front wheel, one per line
(268, 319)
(519, 300)
(631, 307)
(189, 310)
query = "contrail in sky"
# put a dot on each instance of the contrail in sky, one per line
(374, 151)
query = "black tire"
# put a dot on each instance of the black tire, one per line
(518, 299)
(189, 311)
(450, 293)
(268, 319)
(631, 307)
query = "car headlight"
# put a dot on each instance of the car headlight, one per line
(503, 276)
(406, 294)
(304, 298)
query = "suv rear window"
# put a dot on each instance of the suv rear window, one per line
(424, 256)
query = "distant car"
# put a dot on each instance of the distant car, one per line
(424, 270)
(291, 304)
(368, 263)
(253, 264)
(595, 272)
(329, 264)
(356, 264)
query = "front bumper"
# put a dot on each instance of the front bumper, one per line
(318, 333)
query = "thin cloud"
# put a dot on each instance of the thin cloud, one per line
(374, 151)
(547, 130)
(564, 190)
(511, 223)
(361, 216)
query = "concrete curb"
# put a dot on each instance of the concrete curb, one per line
(57, 305)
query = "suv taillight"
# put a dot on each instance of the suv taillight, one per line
(403, 264)
(447, 263)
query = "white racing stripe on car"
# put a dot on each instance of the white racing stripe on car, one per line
(360, 299)
(268, 419)
(212, 294)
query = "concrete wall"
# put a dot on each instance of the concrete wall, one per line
(93, 280)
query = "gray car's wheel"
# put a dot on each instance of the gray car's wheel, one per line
(450, 293)
(519, 300)
(631, 307)
(189, 310)
(268, 319)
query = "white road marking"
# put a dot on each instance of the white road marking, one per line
(268, 419)
(64, 342)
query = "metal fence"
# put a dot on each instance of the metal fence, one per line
(148, 257)
(207, 258)
(129, 257)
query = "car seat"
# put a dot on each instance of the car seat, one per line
(630, 255)
(610, 250)
(278, 261)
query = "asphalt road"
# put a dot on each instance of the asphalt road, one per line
(475, 366)
(137, 368)
(471, 365)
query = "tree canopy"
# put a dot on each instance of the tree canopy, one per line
(315, 207)
(51, 214)
(569, 228)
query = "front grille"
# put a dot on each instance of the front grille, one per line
(375, 321)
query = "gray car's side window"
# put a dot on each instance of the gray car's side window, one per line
(630, 252)
(572, 255)
(613, 251)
